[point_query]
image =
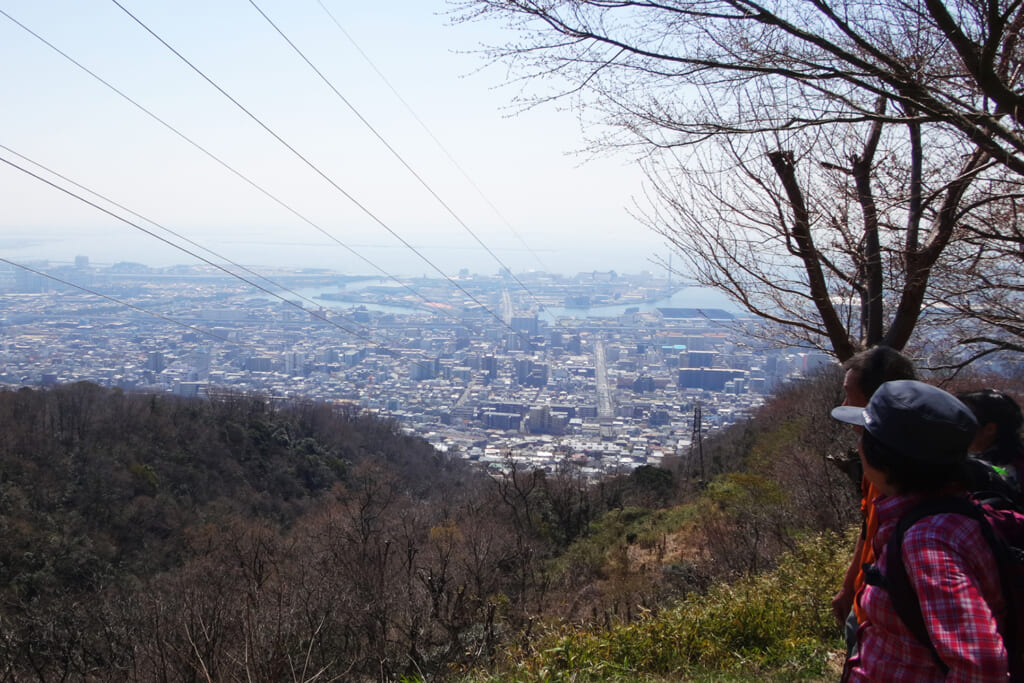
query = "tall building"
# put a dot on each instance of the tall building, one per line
(294, 363)
(155, 361)
(489, 364)
(526, 325)
(259, 364)
(504, 421)
(423, 368)
(707, 378)
(523, 368)
(27, 282)
(643, 384)
(700, 359)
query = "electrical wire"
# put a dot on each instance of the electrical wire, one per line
(218, 160)
(170, 127)
(132, 306)
(430, 133)
(162, 227)
(311, 165)
(313, 314)
(389, 147)
(219, 267)
(441, 146)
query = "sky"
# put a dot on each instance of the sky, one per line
(342, 199)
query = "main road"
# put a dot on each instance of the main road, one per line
(605, 412)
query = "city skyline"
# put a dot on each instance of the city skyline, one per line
(539, 207)
(607, 365)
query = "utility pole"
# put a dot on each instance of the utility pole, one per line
(697, 442)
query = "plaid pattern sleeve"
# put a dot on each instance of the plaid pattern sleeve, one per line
(951, 569)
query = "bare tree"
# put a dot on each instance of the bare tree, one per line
(833, 249)
(813, 161)
(982, 298)
(694, 69)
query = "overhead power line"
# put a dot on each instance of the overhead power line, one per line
(178, 235)
(207, 261)
(430, 133)
(390, 148)
(161, 316)
(309, 163)
(217, 159)
(121, 303)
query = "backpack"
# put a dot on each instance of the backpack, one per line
(987, 481)
(1002, 525)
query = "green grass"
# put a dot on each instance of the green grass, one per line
(589, 555)
(772, 626)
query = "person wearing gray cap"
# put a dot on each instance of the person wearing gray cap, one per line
(913, 446)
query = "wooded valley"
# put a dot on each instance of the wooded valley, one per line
(149, 538)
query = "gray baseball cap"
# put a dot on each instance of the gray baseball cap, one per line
(916, 420)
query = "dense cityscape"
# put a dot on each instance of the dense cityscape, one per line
(601, 367)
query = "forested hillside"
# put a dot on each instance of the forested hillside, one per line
(151, 538)
(144, 534)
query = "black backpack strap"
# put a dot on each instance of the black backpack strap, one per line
(997, 500)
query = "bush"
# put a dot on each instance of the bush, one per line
(774, 625)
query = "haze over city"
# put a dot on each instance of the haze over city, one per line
(464, 167)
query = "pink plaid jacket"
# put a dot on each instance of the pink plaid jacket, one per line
(953, 573)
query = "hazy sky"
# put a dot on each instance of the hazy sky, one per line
(570, 213)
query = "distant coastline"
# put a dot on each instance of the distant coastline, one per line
(709, 302)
